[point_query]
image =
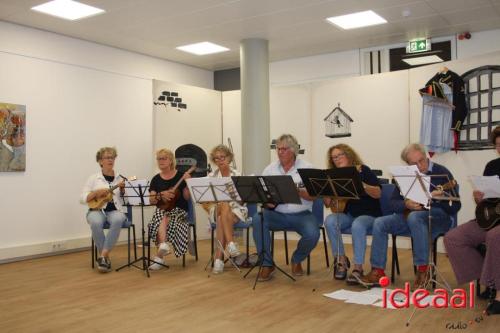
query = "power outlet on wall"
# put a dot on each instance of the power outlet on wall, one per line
(58, 246)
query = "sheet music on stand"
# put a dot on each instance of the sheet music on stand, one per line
(133, 194)
(209, 189)
(405, 178)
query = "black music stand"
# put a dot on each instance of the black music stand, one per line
(139, 194)
(337, 184)
(213, 191)
(266, 190)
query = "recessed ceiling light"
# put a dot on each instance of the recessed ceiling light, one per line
(423, 60)
(202, 48)
(67, 9)
(357, 20)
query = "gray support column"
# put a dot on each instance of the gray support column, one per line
(255, 127)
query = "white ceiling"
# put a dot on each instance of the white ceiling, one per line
(294, 28)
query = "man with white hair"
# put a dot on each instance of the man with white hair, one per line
(411, 218)
(294, 217)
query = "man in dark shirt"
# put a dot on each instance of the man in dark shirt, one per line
(411, 219)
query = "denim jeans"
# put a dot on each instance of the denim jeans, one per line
(359, 227)
(304, 223)
(99, 220)
(416, 226)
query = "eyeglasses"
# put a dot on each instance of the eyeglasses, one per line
(338, 156)
(282, 149)
(220, 158)
(162, 158)
(111, 158)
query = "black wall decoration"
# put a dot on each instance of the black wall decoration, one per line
(170, 98)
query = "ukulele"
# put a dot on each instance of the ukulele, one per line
(488, 213)
(168, 205)
(101, 201)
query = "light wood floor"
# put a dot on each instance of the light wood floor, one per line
(63, 294)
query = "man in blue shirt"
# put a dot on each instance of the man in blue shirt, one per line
(411, 218)
(294, 217)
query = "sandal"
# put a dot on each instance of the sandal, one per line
(341, 274)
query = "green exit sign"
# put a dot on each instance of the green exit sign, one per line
(418, 45)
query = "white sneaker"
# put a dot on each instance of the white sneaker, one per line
(218, 266)
(163, 250)
(156, 265)
(232, 249)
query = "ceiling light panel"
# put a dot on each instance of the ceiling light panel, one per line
(202, 48)
(357, 20)
(67, 9)
(423, 60)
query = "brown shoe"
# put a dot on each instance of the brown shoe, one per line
(371, 279)
(297, 269)
(421, 280)
(266, 273)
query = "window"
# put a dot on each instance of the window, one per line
(482, 96)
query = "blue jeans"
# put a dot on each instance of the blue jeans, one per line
(415, 226)
(98, 221)
(359, 228)
(304, 223)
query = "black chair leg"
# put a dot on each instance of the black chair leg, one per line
(184, 260)
(394, 261)
(308, 264)
(326, 247)
(195, 243)
(286, 247)
(248, 243)
(128, 245)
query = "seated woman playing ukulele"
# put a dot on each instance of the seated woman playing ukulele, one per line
(168, 191)
(106, 208)
(356, 215)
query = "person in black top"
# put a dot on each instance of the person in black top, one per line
(462, 242)
(357, 216)
(112, 214)
(169, 221)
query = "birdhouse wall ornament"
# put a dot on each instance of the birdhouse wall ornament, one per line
(338, 123)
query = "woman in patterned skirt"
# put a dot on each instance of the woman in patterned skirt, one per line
(225, 214)
(168, 225)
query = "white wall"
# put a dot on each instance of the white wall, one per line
(480, 43)
(349, 63)
(79, 96)
(28, 42)
(314, 68)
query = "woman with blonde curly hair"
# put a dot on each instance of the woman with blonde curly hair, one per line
(357, 216)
